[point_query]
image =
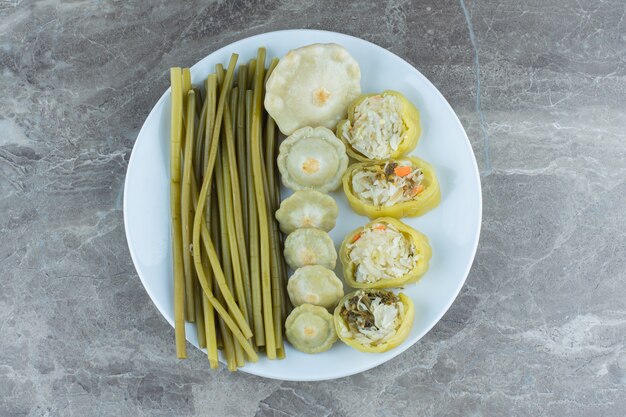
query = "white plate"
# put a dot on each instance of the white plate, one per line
(453, 227)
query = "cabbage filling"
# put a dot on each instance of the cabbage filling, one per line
(372, 317)
(381, 251)
(377, 128)
(384, 186)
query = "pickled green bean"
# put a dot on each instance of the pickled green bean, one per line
(241, 144)
(199, 101)
(227, 266)
(186, 208)
(238, 326)
(199, 219)
(205, 126)
(200, 327)
(175, 209)
(211, 103)
(214, 224)
(198, 163)
(251, 70)
(277, 281)
(240, 253)
(264, 243)
(253, 236)
(186, 87)
(273, 64)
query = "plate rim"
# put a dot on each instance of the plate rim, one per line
(398, 350)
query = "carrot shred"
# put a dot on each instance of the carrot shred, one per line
(380, 227)
(402, 171)
(419, 189)
(356, 237)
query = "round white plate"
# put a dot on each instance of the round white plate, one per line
(453, 227)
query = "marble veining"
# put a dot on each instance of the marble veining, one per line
(540, 326)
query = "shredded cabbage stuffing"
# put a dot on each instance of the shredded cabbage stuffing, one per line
(377, 127)
(389, 184)
(380, 251)
(372, 318)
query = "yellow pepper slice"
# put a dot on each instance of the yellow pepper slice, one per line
(402, 331)
(411, 129)
(427, 198)
(419, 240)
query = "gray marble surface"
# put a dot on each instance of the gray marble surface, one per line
(540, 326)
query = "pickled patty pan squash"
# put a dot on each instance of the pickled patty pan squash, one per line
(310, 247)
(314, 284)
(310, 329)
(307, 208)
(312, 86)
(312, 159)
(374, 320)
(380, 126)
(384, 253)
(402, 187)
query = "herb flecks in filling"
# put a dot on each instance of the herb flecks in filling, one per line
(389, 184)
(373, 316)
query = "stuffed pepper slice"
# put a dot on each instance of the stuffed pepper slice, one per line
(402, 187)
(380, 126)
(384, 253)
(374, 320)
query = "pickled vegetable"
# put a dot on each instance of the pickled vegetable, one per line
(385, 253)
(380, 126)
(374, 320)
(310, 329)
(307, 208)
(310, 247)
(175, 210)
(403, 187)
(313, 159)
(312, 86)
(314, 284)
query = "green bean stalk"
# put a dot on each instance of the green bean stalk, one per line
(251, 70)
(214, 221)
(199, 217)
(240, 329)
(264, 231)
(200, 326)
(207, 127)
(186, 207)
(240, 112)
(198, 164)
(222, 198)
(237, 213)
(271, 198)
(277, 293)
(253, 235)
(226, 245)
(175, 210)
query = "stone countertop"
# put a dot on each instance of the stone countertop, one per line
(538, 329)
